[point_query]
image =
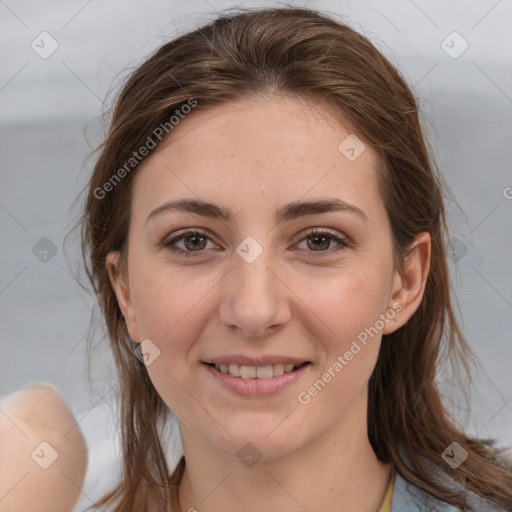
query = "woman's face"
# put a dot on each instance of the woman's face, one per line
(256, 287)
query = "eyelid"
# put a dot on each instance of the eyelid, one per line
(322, 231)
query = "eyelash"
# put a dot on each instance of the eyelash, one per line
(195, 232)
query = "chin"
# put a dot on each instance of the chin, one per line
(257, 442)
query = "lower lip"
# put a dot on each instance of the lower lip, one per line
(257, 387)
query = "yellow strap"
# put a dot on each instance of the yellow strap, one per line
(386, 504)
(41, 384)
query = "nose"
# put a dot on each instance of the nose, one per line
(255, 299)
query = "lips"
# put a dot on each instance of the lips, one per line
(256, 380)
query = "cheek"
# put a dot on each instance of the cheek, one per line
(166, 299)
(349, 302)
(172, 313)
(350, 308)
(173, 308)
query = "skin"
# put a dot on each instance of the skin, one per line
(29, 417)
(252, 156)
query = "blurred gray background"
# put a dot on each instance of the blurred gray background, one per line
(62, 59)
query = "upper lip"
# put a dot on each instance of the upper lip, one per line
(255, 361)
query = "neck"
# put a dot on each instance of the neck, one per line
(338, 471)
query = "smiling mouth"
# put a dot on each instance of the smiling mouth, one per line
(257, 372)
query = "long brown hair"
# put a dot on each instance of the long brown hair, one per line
(297, 52)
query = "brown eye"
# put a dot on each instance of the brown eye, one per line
(320, 240)
(193, 243)
(196, 242)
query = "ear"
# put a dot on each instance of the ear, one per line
(409, 285)
(120, 284)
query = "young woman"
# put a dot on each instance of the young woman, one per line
(265, 232)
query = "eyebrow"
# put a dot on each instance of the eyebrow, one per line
(289, 211)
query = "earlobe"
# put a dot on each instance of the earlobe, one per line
(409, 285)
(123, 295)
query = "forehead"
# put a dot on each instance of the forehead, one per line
(282, 149)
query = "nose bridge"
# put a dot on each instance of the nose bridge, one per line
(253, 298)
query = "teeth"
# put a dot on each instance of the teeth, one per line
(278, 369)
(234, 370)
(255, 372)
(248, 372)
(264, 372)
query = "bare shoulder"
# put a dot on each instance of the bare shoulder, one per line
(43, 455)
